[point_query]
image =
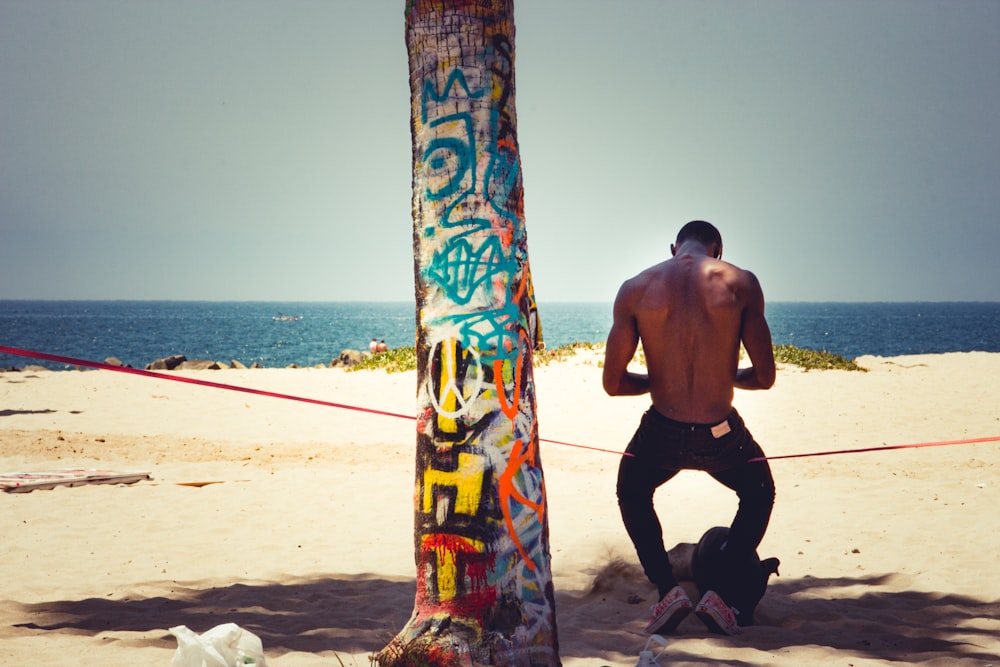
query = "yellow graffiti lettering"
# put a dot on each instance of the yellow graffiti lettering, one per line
(467, 481)
(447, 552)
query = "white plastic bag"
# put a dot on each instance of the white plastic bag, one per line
(646, 656)
(226, 645)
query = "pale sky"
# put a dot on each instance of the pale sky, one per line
(250, 150)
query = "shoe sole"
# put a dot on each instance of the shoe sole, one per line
(671, 618)
(714, 622)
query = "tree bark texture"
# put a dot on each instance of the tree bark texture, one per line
(484, 585)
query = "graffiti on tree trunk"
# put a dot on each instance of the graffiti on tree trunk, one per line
(481, 533)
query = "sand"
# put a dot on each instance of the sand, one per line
(295, 521)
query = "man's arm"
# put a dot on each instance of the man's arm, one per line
(756, 336)
(622, 342)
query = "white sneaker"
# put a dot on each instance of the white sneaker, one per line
(717, 615)
(670, 611)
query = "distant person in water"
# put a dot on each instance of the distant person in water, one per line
(691, 313)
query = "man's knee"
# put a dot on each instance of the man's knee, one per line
(631, 495)
(628, 495)
(760, 495)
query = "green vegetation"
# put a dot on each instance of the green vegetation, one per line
(402, 359)
(563, 352)
(396, 360)
(811, 359)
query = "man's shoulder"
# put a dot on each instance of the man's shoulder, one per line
(738, 272)
(744, 285)
(640, 280)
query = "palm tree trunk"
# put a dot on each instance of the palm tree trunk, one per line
(484, 584)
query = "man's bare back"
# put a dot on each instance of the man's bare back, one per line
(691, 313)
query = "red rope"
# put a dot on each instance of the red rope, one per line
(259, 392)
(942, 443)
(180, 378)
(231, 387)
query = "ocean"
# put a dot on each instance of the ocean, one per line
(276, 335)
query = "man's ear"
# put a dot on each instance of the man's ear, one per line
(718, 251)
(673, 250)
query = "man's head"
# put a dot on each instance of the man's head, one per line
(704, 233)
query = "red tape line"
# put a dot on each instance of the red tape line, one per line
(259, 392)
(231, 387)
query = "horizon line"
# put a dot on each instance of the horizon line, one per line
(404, 301)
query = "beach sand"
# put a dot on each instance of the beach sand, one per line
(295, 521)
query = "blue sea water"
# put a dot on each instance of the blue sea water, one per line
(138, 332)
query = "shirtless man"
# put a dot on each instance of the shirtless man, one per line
(691, 313)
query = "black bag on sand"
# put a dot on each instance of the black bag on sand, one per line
(741, 585)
